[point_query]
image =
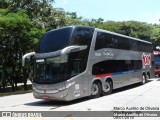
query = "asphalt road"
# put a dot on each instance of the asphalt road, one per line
(134, 97)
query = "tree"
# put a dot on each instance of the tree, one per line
(22, 23)
(156, 36)
(130, 28)
(5, 4)
(136, 29)
(41, 12)
(17, 36)
(73, 19)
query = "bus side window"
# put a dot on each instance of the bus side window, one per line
(75, 68)
(133, 45)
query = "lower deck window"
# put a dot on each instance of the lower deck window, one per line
(111, 66)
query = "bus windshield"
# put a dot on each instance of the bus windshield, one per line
(55, 69)
(55, 40)
(51, 69)
(157, 59)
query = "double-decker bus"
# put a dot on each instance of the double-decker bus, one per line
(78, 61)
(157, 63)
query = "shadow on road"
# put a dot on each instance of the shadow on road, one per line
(129, 87)
(56, 104)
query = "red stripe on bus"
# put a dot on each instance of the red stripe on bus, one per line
(104, 75)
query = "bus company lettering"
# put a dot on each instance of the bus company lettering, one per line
(146, 59)
(108, 53)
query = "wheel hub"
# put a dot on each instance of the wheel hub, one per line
(106, 87)
(94, 89)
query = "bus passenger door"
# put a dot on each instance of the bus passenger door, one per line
(75, 69)
(85, 85)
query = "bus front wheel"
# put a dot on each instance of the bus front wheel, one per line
(107, 87)
(96, 90)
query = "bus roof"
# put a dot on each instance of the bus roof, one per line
(122, 35)
(72, 27)
(103, 31)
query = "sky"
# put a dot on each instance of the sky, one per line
(114, 10)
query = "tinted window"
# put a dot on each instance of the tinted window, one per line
(134, 64)
(111, 66)
(106, 40)
(55, 40)
(133, 45)
(123, 43)
(144, 47)
(157, 59)
(79, 57)
(82, 36)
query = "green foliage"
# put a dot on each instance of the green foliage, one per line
(156, 33)
(72, 19)
(5, 3)
(17, 37)
(155, 37)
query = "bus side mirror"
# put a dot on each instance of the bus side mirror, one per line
(75, 48)
(27, 56)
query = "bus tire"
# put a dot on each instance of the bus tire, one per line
(96, 90)
(107, 88)
(143, 79)
(148, 76)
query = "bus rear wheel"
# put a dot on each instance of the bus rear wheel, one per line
(107, 88)
(148, 76)
(96, 90)
(143, 79)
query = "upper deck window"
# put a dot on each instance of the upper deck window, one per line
(60, 38)
(55, 40)
(82, 36)
(107, 40)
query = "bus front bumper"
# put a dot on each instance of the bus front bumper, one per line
(59, 96)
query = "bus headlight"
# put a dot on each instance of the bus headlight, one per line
(70, 84)
(62, 88)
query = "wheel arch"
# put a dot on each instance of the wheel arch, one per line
(99, 80)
